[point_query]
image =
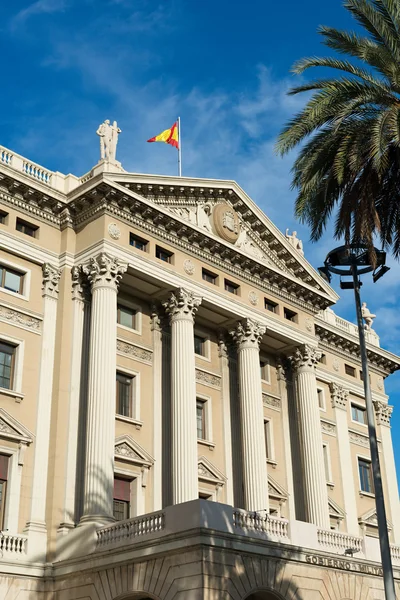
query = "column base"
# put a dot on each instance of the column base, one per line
(98, 520)
(65, 528)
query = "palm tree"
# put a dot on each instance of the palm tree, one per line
(349, 131)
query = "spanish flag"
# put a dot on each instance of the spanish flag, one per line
(169, 136)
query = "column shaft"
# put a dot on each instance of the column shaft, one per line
(157, 411)
(316, 495)
(226, 419)
(248, 336)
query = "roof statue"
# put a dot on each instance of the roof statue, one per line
(367, 316)
(294, 241)
(108, 140)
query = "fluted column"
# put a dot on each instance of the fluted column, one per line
(104, 273)
(383, 414)
(315, 491)
(282, 369)
(181, 308)
(157, 408)
(339, 399)
(223, 353)
(80, 330)
(248, 334)
(36, 526)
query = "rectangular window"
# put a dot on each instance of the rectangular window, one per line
(264, 368)
(124, 396)
(3, 217)
(349, 370)
(267, 438)
(4, 461)
(126, 316)
(122, 499)
(365, 473)
(209, 277)
(201, 419)
(325, 449)
(270, 305)
(164, 255)
(231, 287)
(358, 414)
(199, 345)
(290, 315)
(321, 398)
(27, 228)
(138, 242)
(7, 359)
(11, 280)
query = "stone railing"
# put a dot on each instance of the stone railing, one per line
(395, 552)
(132, 528)
(12, 544)
(250, 521)
(334, 541)
(346, 326)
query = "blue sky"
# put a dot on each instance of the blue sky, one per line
(223, 66)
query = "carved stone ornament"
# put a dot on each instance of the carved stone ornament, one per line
(188, 266)
(51, 278)
(380, 384)
(114, 231)
(339, 396)
(208, 378)
(14, 316)
(182, 304)
(248, 334)
(104, 270)
(359, 439)
(226, 222)
(336, 364)
(309, 324)
(80, 287)
(328, 427)
(305, 357)
(383, 413)
(204, 472)
(126, 451)
(134, 351)
(271, 401)
(253, 298)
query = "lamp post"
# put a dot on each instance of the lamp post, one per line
(353, 260)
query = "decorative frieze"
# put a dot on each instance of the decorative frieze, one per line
(134, 351)
(328, 427)
(182, 304)
(248, 334)
(104, 270)
(19, 318)
(271, 401)
(339, 396)
(305, 357)
(383, 413)
(359, 438)
(207, 378)
(51, 278)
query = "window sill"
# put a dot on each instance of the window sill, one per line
(130, 329)
(14, 294)
(18, 396)
(135, 422)
(210, 445)
(202, 357)
(367, 494)
(272, 462)
(265, 381)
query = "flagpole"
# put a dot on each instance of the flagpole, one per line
(179, 148)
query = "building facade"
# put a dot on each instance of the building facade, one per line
(181, 411)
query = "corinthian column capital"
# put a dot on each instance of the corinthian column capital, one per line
(104, 271)
(339, 396)
(80, 286)
(51, 278)
(182, 305)
(248, 334)
(383, 413)
(305, 357)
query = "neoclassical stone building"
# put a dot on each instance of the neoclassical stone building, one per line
(181, 411)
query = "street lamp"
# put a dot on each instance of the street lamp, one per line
(354, 260)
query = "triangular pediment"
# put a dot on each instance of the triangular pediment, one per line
(128, 450)
(11, 429)
(275, 490)
(370, 519)
(335, 510)
(222, 211)
(209, 472)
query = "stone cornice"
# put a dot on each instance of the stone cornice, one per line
(337, 342)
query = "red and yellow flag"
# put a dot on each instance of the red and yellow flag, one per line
(169, 136)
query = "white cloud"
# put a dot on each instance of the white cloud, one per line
(39, 7)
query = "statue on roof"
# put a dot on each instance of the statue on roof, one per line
(367, 316)
(294, 241)
(108, 140)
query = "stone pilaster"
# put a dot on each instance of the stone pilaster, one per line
(156, 328)
(284, 384)
(181, 308)
(223, 354)
(339, 399)
(383, 413)
(315, 492)
(247, 335)
(36, 526)
(80, 331)
(104, 274)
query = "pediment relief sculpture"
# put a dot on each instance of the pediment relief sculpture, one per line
(13, 430)
(209, 472)
(126, 449)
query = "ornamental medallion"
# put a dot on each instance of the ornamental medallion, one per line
(226, 222)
